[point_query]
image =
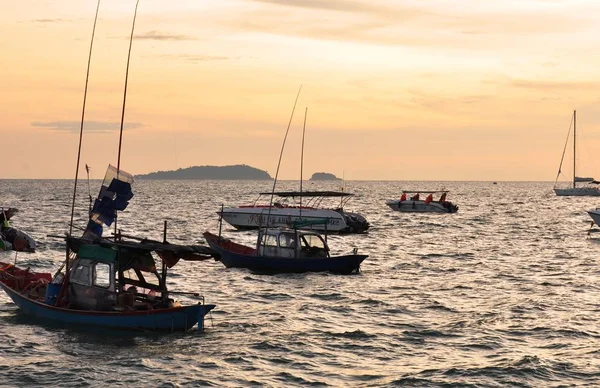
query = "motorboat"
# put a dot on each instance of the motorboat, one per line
(287, 250)
(591, 185)
(412, 202)
(289, 209)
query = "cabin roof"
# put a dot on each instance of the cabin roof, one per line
(275, 231)
(310, 194)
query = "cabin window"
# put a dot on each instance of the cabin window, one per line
(101, 275)
(268, 240)
(81, 274)
(287, 240)
(310, 240)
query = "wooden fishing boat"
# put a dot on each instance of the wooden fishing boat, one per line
(284, 250)
(110, 282)
(97, 291)
(12, 238)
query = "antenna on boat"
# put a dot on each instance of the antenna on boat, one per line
(302, 159)
(124, 100)
(87, 77)
(280, 155)
(87, 169)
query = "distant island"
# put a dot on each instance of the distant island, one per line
(239, 171)
(324, 176)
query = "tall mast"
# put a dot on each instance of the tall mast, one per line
(574, 145)
(280, 155)
(87, 77)
(124, 99)
(302, 158)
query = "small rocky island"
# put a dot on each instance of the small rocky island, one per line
(324, 176)
(239, 171)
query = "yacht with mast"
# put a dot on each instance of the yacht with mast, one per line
(591, 189)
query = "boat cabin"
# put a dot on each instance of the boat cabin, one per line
(291, 243)
(104, 279)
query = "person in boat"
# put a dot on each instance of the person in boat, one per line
(429, 199)
(415, 197)
(443, 198)
(403, 197)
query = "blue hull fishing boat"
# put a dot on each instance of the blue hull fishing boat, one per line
(111, 282)
(169, 319)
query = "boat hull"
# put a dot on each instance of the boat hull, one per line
(578, 192)
(171, 319)
(409, 206)
(253, 217)
(337, 264)
(595, 214)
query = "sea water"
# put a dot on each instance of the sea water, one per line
(503, 293)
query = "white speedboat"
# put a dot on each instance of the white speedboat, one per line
(290, 209)
(591, 189)
(416, 204)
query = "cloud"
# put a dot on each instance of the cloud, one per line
(57, 20)
(198, 58)
(554, 85)
(424, 24)
(93, 126)
(157, 35)
(328, 5)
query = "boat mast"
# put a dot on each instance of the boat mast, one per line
(279, 163)
(574, 145)
(124, 100)
(302, 159)
(562, 158)
(87, 77)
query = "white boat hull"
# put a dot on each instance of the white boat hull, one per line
(577, 192)
(409, 206)
(595, 214)
(253, 217)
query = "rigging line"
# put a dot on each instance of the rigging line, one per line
(280, 155)
(302, 159)
(125, 99)
(564, 150)
(87, 77)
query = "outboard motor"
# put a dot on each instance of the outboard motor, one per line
(356, 223)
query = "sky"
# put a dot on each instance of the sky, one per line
(394, 89)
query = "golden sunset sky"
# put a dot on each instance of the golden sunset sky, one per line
(395, 89)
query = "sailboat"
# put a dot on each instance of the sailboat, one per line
(111, 282)
(588, 190)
